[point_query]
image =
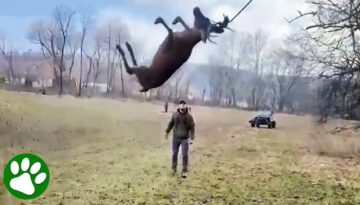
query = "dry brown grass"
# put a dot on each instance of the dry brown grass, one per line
(336, 139)
(103, 151)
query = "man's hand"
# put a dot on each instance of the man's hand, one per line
(191, 140)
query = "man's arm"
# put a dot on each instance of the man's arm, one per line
(192, 127)
(170, 125)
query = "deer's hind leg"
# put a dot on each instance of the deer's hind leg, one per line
(160, 20)
(131, 53)
(179, 19)
(142, 75)
(128, 69)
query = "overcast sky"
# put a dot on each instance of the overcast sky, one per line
(139, 15)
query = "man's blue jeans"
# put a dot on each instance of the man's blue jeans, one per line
(176, 143)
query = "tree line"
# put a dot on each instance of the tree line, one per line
(70, 40)
(315, 70)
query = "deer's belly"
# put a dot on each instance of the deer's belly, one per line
(169, 58)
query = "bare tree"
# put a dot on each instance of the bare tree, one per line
(98, 59)
(121, 71)
(111, 60)
(45, 34)
(85, 23)
(232, 60)
(203, 95)
(90, 58)
(113, 70)
(53, 38)
(94, 55)
(73, 45)
(331, 42)
(216, 76)
(187, 87)
(168, 91)
(237, 50)
(159, 93)
(108, 55)
(63, 17)
(255, 45)
(177, 80)
(287, 68)
(110, 34)
(7, 51)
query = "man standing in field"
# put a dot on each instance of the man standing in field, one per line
(183, 126)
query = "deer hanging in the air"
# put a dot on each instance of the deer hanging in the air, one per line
(174, 51)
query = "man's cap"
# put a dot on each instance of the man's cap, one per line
(182, 102)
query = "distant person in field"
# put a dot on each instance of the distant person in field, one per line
(166, 106)
(183, 126)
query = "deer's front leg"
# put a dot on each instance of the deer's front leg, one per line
(161, 21)
(179, 19)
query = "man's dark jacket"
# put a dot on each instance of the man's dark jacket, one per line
(182, 124)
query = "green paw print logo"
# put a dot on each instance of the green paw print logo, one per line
(26, 176)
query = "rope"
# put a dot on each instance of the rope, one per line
(241, 11)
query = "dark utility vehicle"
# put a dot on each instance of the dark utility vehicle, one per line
(264, 117)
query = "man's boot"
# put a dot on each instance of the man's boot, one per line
(184, 173)
(173, 172)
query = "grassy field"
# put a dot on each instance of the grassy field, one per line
(103, 151)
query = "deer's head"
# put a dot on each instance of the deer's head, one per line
(207, 27)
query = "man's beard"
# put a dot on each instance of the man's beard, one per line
(182, 110)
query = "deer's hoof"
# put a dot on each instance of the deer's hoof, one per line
(176, 20)
(120, 50)
(143, 90)
(158, 20)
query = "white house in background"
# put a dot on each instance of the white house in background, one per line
(40, 75)
(21, 80)
(100, 87)
(242, 104)
(43, 83)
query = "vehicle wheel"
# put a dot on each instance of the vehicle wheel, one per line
(257, 125)
(269, 126)
(252, 124)
(273, 124)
